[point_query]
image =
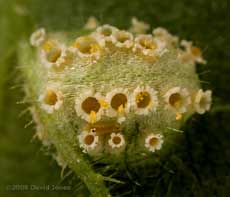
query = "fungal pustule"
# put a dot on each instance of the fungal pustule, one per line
(139, 27)
(123, 39)
(177, 99)
(203, 101)
(90, 106)
(153, 142)
(191, 54)
(51, 99)
(144, 100)
(103, 127)
(105, 32)
(87, 46)
(38, 37)
(51, 53)
(116, 141)
(119, 104)
(90, 142)
(149, 46)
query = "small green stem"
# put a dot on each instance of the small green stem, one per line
(220, 108)
(66, 146)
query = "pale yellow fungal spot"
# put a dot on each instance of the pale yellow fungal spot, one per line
(139, 27)
(178, 116)
(121, 109)
(104, 103)
(91, 23)
(93, 117)
(48, 45)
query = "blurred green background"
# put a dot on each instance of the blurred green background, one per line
(201, 164)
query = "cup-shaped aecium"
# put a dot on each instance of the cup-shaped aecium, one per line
(139, 27)
(153, 142)
(163, 34)
(203, 101)
(52, 53)
(89, 141)
(116, 141)
(123, 39)
(38, 37)
(178, 99)
(88, 106)
(144, 100)
(191, 54)
(149, 46)
(87, 46)
(51, 99)
(119, 103)
(105, 33)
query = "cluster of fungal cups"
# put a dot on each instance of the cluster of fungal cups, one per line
(110, 79)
